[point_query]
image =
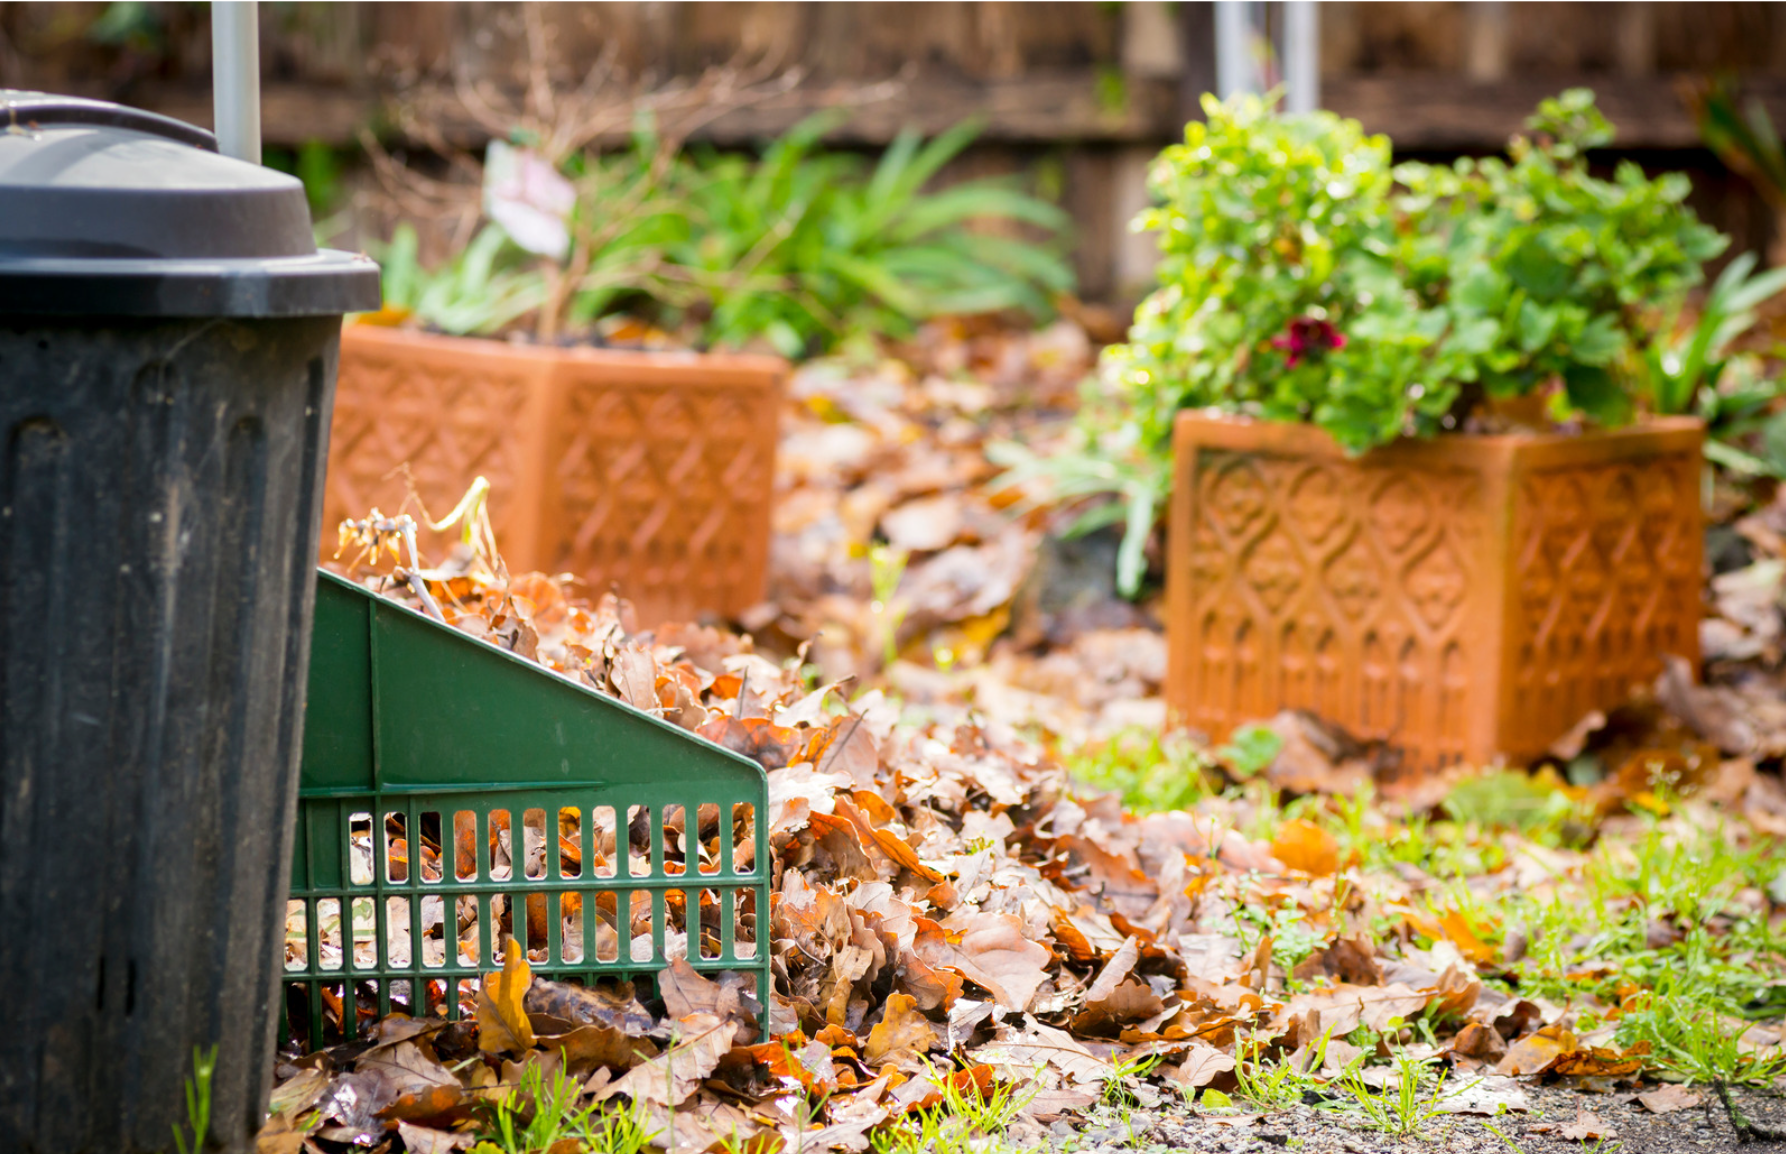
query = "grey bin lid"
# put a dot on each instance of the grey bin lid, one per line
(108, 211)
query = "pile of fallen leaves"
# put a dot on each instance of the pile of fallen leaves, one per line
(950, 914)
(954, 918)
(892, 537)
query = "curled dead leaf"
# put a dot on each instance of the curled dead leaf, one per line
(503, 1025)
(698, 1044)
(1303, 845)
(903, 1035)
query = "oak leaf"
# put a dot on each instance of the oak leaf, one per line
(616, 1007)
(993, 952)
(1535, 1052)
(503, 1026)
(1587, 1127)
(903, 1035)
(686, 991)
(669, 1079)
(1202, 1065)
(420, 1087)
(426, 1140)
(585, 1047)
(1670, 1098)
(1303, 845)
(1114, 971)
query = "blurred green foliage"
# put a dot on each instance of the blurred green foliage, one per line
(801, 247)
(1305, 277)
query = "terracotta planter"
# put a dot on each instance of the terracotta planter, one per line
(650, 472)
(1463, 598)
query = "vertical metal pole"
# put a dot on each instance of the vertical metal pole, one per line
(235, 77)
(1234, 68)
(1302, 56)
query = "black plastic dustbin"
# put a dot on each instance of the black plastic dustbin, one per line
(168, 341)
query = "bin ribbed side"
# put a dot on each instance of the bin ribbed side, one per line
(159, 490)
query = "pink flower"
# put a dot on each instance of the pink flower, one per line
(1306, 336)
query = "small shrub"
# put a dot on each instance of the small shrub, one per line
(801, 247)
(1304, 277)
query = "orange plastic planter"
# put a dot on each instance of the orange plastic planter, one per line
(1463, 598)
(650, 472)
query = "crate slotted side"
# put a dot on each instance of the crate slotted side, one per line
(416, 732)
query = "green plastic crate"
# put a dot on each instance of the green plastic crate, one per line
(413, 726)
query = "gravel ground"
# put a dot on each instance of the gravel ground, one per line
(1626, 1126)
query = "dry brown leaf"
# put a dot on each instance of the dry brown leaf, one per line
(903, 1035)
(420, 1087)
(1450, 926)
(994, 952)
(850, 751)
(686, 991)
(904, 855)
(426, 1140)
(769, 745)
(634, 675)
(279, 1136)
(1587, 1127)
(1479, 1042)
(1303, 845)
(1535, 1052)
(1202, 1065)
(1019, 1052)
(1133, 1001)
(1670, 1098)
(1601, 1062)
(503, 1026)
(1114, 971)
(700, 1041)
(601, 1005)
(298, 1093)
(584, 1048)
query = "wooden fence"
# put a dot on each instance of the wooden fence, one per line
(1082, 95)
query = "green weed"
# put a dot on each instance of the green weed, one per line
(886, 567)
(964, 1122)
(539, 1114)
(1153, 772)
(198, 1100)
(1116, 1083)
(1275, 1085)
(1690, 1038)
(1404, 1109)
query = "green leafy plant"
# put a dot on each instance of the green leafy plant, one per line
(198, 1101)
(1279, 294)
(1116, 1090)
(541, 1113)
(1743, 137)
(1405, 1107)
(1694, 360)
(1104, 458)
(1154, 772)
(801, 247)
(965, 1120)
(807, 248)
(1694, 371)
(479, 292)
(1305, 278)
(1249, 751)
(1552, 278)
(1275, 1085)
(1692, 1040)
